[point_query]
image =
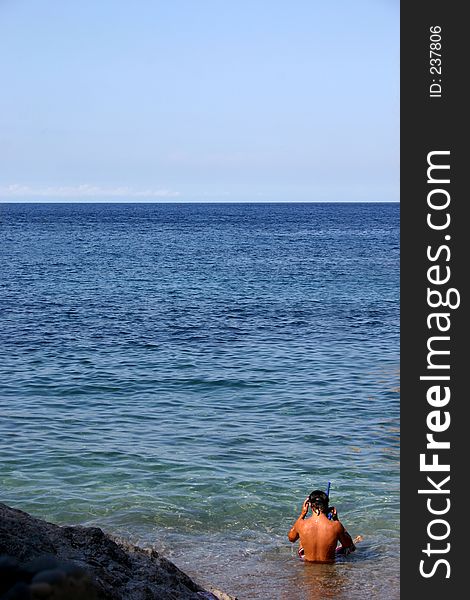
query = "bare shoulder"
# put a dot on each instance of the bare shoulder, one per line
(301, 523)
(339, 526)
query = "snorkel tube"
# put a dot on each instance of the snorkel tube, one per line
(327, 492)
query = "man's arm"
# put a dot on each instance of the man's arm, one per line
(293, 534)
(347, 544)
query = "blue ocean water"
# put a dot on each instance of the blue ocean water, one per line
(185, 374)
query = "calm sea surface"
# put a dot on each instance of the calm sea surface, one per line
(184, 375)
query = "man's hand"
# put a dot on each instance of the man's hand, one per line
(304, 511)
(334, 513)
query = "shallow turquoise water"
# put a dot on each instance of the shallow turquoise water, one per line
(185, 375)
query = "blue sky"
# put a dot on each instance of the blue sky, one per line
(203, 100)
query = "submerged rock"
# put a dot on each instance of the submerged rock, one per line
(40, 560)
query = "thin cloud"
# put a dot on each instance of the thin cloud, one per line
(84, 190)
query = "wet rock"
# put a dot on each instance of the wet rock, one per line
(39, 560)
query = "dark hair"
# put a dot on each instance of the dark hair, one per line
(319, 501)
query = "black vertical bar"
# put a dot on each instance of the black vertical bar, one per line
(434, 118)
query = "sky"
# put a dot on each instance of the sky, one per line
(199, 100)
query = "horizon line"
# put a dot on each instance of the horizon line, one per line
(201, 202)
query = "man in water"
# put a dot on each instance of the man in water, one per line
(318, 534)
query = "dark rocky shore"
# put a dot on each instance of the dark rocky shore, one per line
(39, 560)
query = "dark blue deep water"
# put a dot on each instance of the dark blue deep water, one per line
(185, 374)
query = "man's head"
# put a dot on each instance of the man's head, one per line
(318, 501)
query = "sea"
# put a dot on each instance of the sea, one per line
(184, 375)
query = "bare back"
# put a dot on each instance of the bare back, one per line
(319, 537)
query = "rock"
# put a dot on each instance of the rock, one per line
(51, 576)
(19, 591)
(43, 560)
(40, 590)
